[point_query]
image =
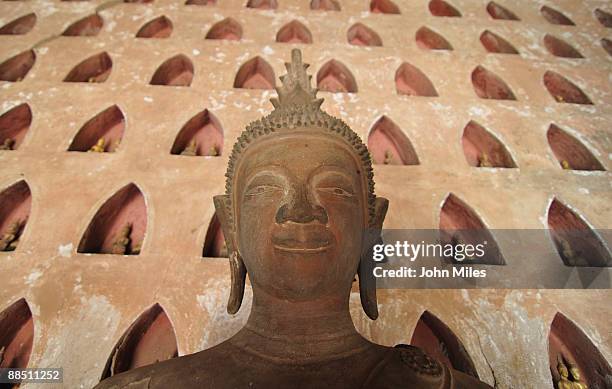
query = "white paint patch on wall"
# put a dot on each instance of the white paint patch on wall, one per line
(81, 341)
(221, 325)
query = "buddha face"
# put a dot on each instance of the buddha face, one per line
(300, 213)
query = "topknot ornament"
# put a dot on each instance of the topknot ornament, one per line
(296, 89)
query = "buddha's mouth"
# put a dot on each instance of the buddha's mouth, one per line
(303, 241)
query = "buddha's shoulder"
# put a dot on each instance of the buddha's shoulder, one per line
(409, 367)
(194, 370)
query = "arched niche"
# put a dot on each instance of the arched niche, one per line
(605, 18)
(214, 243)
(17, 67)
(160, 27)
(461, 225)
(570, 345)
(427, 38)
(576, 243)
(388, 145)
(483, 149)
(334, 76)
(148, 340)
(410, 80)
(494, 43)
(87, 26)
(256, 73)
(502, 13)
(570, 152)
(14, 124)
(384, 7)
(228, 29)
(15, 206)
(438, 341)
(294, 32)
(325, 5)
(20, 26)
(202, 135)
(16, 336)
(119, 226)
(563, 90)
(96, 68)
(175, 71)
(560, 48)
(262, 4)
(443, 8)
(361, 35)
(102, 133)
(554, 16)
(488, 85)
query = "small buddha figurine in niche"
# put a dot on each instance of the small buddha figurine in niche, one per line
(99, 147)
(389, 160)
(298, 216)
(7, 144)
(191, 149)
(483, 160)
(565, 382)
(213, 151)
(565, 165)
(10, 237)
(122, 240)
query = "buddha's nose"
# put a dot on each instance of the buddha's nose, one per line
(300, 209)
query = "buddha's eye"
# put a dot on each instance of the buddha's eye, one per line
(337, 191)
(261, 189)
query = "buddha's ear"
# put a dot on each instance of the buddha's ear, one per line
(367, 282)
(381, 205)
(224, 215)
(237, 268)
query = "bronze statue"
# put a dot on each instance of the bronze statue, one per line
(298, 206)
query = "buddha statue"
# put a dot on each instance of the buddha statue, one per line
(10, 238)
(297, 217)
(564, 381)
(7, 144)
(99, 147)
(122, 240)
(483, 160)
(191, 149)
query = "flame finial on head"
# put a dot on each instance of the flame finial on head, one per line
(296, 89)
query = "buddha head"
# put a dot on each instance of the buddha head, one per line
(299, 214)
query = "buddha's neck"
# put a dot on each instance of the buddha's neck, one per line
(300, 332)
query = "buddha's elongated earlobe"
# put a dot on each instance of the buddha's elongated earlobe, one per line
(238, 273)
(367, 282)
(367, 287)
(237, 269)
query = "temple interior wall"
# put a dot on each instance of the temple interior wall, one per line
(82, 303)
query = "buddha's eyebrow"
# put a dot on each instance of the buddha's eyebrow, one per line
(331, 169)
(267, 170)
